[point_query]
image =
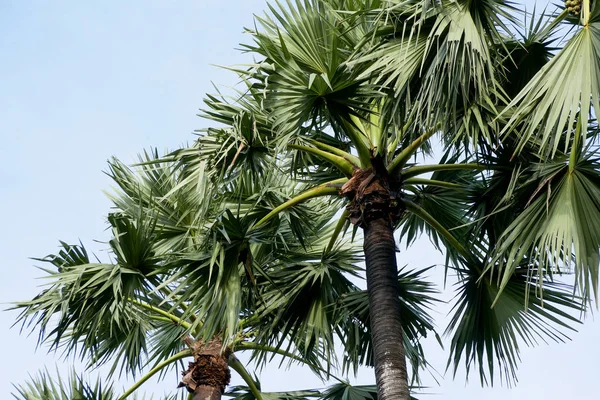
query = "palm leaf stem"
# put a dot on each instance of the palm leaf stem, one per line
(164, 313)
(254, 346)
(338, 152)
(325, 189)
(163, 319)
(238, 367)
(344, 165)
(401, 159)
(358, 140)
(423, 169)
(153, 371)
(432, 182)
(338, 229)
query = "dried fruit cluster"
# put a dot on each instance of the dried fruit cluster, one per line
(573, 6)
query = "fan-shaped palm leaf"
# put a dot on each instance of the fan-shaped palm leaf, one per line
(547, 109)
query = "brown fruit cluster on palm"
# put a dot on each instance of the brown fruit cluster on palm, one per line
(373, 194)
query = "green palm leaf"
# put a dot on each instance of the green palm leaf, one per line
(559, 230)
(303, 286)
(487, 338)
(75, 387)
(303, 76)
(244, 393)
(44, 387)
(436, 58)
(563, 92)
(155, 190)
(344, 391)
(90, 304)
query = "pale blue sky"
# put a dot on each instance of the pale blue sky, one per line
(82, 81)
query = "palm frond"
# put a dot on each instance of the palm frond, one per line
(244, 393)
(437, 60)
(44, 387)
(302, 287)
(558, 230)
(160, 192)
(75, 387)
(244, 142)
(342, 391)
(563, 93)
(488, 326)
(447, 205)
(303, 75)
(86, 304)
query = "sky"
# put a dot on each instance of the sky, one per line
(85, 81)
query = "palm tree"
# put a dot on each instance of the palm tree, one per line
(187, 277)
(170, 244)
(356, 91)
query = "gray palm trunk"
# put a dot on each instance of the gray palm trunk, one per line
(205, 392)
(384, 309)
(375, 205)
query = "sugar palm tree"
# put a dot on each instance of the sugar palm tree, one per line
(170, 244)
(357, 91)
(187, 277)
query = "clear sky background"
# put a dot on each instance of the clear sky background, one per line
(83, 81)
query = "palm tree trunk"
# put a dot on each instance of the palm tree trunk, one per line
(208, 375)
(384, 309)
(204, 392)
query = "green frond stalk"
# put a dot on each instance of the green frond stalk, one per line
(378, 137)
(344, 165)
(163, 319)
(276, 350)
(338, 152)
(164, 313)
(338, 229)
(401, 159)
(327, 189)
(238, 367)
(432, 182)
(244, 346)
(424, 169)
(153, 371)
(359, 141)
